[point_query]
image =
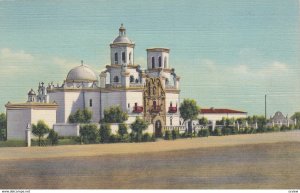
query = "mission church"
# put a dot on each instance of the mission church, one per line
(151, 93)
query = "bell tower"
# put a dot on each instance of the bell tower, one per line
(122, 49)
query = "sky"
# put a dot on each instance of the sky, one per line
(229, 54)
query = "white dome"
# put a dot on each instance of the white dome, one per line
(81, 74)
(122, 39)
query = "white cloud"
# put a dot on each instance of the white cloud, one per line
(8, 54)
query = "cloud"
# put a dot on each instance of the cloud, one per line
(14, 61)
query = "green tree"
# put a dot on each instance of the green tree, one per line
(53, 137)
(296, 116)
(81, 116)
(122, 131)
(3, 126)
(114, 114)
(89, 133)
(105, 133)
(137, 127)
(189, 110)
(203, 121)
(40, 129)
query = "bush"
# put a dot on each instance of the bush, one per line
(41, 142)
(89, 133)
(218, 132)
(284, 128)
(226, 131)
(186, 134)
(153, 138)
(234, 131)
(81, 116)
(53, 137)
(131, 137)
(104, 133)
(175, 134)
(114, 138)
(203, 133)
(146, 137)
(167, 135)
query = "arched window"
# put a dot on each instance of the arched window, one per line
(91, 102)
(130, 57)
(116, 79)
(159, 61)
(116, 58)
(165, 62)
(153, 62)
(167, 81)
(131, 79)
(123, 57)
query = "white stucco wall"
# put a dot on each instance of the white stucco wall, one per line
(95, 108)
(156, 54)
(219, 116)
(17, 121)
(73, 101)
(59, 98)
(67, 129)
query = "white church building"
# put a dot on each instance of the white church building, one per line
(151, 93)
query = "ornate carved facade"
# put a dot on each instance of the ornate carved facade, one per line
(154, 96)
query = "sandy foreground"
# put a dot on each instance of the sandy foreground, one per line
(269, 161)
(10, 153)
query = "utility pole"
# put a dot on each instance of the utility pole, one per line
(265, 106)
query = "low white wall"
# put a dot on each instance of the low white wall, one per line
(67, 130)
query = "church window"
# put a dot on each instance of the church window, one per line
(128, 105)
(131, 79)
(154, 90)
(116, 58)
(91, 102)
(153, 62)
(154, 104)
(159, 61)
(116, 79)
(167, 81)
(165, 62)
(123, 57)
(130, 57)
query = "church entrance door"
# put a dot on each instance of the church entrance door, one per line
(158, 127)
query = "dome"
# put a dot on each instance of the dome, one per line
(81, 74)
(122, 39)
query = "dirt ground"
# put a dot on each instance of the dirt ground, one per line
(245, 161)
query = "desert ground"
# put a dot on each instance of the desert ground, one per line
(269, 160)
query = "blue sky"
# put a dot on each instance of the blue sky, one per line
(228, 53)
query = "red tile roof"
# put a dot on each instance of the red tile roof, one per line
(220, 111)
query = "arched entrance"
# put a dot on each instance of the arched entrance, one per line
(158, 128)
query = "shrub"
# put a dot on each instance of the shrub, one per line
(153, 138)
(114, 114)
(234, 131)
(137, 127)
(89, 133)
(39, 130)
(131, 137)
(114, 138)
(284, 128)
(175, 134)
(122, 129)
(167, 135)
(203, 133)
(104, 133)
(53, 137)
(146, 137)
(218, 132)
(226, 130)
(81, 116)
